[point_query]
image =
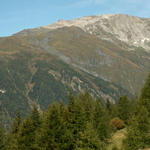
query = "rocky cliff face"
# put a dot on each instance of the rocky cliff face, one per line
(132, 30)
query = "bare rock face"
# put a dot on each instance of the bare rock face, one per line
(134, 31)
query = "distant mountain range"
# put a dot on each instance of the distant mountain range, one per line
(107, 55)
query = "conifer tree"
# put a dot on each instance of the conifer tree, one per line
(108, 106)
(111, 109)
(76, 118)
(35, 118)
(53, 134)
(138, 136)
(16, 124)
(145, 93)
(87, 103)
(124, 108)
(89, 140)
(12, 135)
(145, 103)
(138, 132)
(101, 121)
(26, 136)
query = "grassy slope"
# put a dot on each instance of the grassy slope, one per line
(117, 140)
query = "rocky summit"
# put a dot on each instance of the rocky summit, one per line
(130, 29)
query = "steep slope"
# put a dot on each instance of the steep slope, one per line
(30, 76)
(99, 53)
(107, 55)
(129, 29)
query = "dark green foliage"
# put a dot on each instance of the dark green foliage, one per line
(138, 132)
(2, 138)
(124, 108)
(14, 130)
(112, 109)
(54, 134)
(29, 78)
(109, 106)
(16, 124)
(89, 139)
(145, 94)
(138, 136)
(35, 118)
(101, 120)
(111, 90)
(13, 77)
(80, 125)
(85, 123)
(115, 148)
(145, 103)
(25, 138)
(76, 119)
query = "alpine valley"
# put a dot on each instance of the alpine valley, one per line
(106, 55)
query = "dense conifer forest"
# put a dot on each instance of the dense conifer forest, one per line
(85, 123)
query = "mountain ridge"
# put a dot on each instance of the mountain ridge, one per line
(42, 65)
(31, 76)
(111, 53)
(125, 24)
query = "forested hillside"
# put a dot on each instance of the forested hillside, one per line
(29, 76)
(99, 54)
(85, 123)
(76, 85)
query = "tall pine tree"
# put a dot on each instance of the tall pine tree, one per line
(124, 108)
(138, 132)
(101, 121)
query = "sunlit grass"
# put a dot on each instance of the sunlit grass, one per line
(117, 139)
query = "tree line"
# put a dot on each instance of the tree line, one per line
(85, 123)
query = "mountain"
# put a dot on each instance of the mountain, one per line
(107, 55)
(129, 29)
(113, 47)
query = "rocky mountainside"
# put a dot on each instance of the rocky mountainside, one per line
(113, 47)
(32, 76)
(132, 30)
(108, 55)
